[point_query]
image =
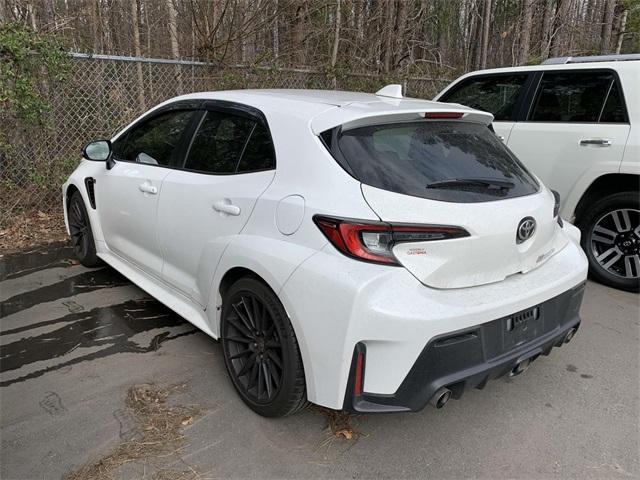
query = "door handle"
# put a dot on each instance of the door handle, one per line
(595, 142)
(225, 206)
(146, 188)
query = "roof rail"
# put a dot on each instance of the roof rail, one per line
(593, 58)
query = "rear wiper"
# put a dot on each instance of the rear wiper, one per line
(473, 182)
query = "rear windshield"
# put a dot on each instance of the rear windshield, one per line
(450, 161)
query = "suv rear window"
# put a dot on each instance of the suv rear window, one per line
(450, 161)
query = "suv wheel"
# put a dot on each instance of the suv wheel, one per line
(260, 350)
(611, 239)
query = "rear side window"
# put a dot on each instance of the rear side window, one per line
(449, 161)
(154, 141)
(578, 97)
(259, 153)
(496, 94)
(218, 143)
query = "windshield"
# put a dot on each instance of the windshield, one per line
(449, 161)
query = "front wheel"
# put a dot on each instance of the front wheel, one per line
(260, 350)
(82, 241)
(611, 240)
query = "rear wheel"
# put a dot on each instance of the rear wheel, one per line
(611, 240)
(81, 234)
(260, 350)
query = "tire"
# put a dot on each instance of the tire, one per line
(611, 239)
(260, 350)
(82, 241)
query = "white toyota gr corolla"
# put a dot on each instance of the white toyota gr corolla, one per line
(364, 252)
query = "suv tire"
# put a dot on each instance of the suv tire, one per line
(82, 241)
(611, 239)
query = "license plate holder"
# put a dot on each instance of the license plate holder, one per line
(521, 327)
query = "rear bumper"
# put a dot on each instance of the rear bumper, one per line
(471, 357)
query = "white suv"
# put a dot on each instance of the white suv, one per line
(360, 251)
(575, 122)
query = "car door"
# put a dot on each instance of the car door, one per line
(500, 94)
(128, 193)
(575, 130)
(229, 164)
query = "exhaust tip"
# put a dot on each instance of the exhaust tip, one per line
(440, 398)
(520, 368)
(570, 334)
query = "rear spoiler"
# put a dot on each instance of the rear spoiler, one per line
(354, 119)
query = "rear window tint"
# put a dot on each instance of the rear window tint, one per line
(423, 158)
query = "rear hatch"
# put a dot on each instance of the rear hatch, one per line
(451, 172)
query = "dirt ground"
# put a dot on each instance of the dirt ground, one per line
(97, 380)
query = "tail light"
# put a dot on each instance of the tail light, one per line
(374, 241)
(443, 115)
(556, 207)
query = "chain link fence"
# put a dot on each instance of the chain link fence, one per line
(103, 93)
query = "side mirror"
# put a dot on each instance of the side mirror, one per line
(97, 151)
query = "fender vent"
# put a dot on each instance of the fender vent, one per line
(89, 183)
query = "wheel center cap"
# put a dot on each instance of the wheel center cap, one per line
(260, 345)
(627, 243)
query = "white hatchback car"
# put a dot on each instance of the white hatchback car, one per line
(366, 252)
(575, 122)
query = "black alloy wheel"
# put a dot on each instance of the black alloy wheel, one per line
(611, 240)
(261, 351)
(81, 233)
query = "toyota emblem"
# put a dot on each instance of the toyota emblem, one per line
(526, 229)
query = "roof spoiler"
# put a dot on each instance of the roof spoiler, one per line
(391, 91)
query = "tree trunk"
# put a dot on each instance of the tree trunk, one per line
(137, 53)
(336, 36)
(546, 29)
(485, 34)
(623, 25)
(607, 26)
(526, 32)
(175, 45)
(388, 35)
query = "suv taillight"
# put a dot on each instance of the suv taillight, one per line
(374, 241)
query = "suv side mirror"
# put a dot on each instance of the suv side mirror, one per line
(97, 151)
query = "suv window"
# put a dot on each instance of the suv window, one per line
(154, 141)
(218, 143)
(448, 161)
(580, 97)
(497, 94)
(259, 153)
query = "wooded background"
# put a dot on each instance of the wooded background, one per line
(412, 37)
(52, 103)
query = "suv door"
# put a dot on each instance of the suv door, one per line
(500, 94)
(229, 163)
(575, 130)
(128, 193)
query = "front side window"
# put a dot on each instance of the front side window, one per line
(577, 97)
(496, 94)
(449, 161)
(219, 143)
(154, 141)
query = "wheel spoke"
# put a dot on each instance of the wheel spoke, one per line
(267, 378)
(260, 380)
(249, 314)
(238, 339)
(612, 254)
(243, 317)
(250, 362)
(253, 378)
(631, 263)
(621, 220)
(274, 375)
(241, 354)
(610, 235)
(257, 315)
(275, 358)
(241, 328)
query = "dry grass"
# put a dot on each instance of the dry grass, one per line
(29, 228)
(339, 422)
(159, 425)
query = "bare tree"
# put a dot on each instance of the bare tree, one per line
(607, 25)
(527, 12)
